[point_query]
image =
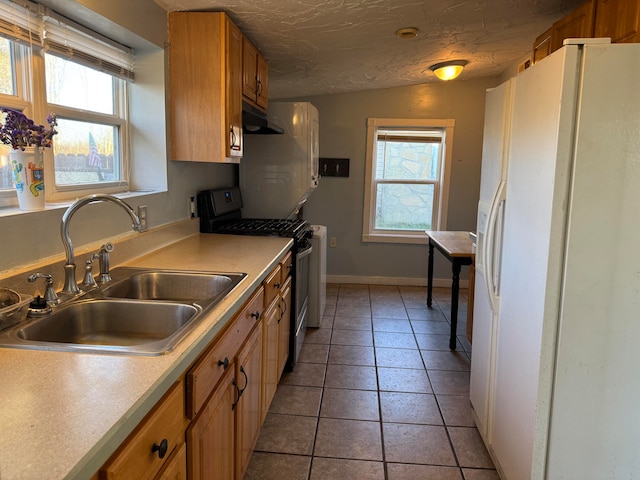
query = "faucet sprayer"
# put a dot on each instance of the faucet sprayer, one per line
(70, 282)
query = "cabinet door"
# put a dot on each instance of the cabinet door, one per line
(618, 20)
(176, 467)
(249, 69)
(542, 45)
(149, 448)
(262, 87)
(284, 327)
(211, 437)
(577, 24)
(204, 72)
(270, 355)
(248, 413)
(234, 90)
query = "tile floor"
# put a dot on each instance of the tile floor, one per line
(377, 394)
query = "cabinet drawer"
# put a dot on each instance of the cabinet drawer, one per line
(272, 285)
(204, 376)
(206, 373)
(138, 457)
(287, 266)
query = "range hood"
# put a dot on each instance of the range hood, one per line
(255, 122)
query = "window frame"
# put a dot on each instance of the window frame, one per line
(118, 119)
(441, 193)
(34, 30)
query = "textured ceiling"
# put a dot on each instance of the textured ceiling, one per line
(318, 47)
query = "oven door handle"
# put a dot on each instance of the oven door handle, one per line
(304, 253)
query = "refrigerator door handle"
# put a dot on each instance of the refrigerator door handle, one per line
(493, 245)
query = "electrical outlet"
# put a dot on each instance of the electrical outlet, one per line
(142, 215)
(332, 242)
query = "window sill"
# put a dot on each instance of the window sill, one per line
(417, 238)
(14, 210)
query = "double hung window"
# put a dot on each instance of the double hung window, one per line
(407, 178)
(53, 65)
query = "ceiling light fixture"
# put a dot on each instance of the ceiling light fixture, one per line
(409, 32)
(448, 70)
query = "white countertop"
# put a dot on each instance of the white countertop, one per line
(63, 414)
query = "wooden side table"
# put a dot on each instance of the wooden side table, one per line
(457, 247)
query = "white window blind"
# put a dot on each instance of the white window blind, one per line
(74, 42)
(36, 25)
(20, 24)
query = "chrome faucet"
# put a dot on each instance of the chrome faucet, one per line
(70, 283)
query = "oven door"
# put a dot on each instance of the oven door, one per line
(299, 322)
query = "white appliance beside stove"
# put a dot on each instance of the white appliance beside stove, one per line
(279, 172)
(317, 276)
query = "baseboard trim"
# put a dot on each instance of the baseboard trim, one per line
(408, 281)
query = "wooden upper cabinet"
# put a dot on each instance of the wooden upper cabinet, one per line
(255, 76)
(618, 20)
(577, 24)
(205, 87)
(542, 45)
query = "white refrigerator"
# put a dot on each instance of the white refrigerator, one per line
(497, 124)
(564, 379)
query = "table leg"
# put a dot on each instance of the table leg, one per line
(455, 287)
(430, 275)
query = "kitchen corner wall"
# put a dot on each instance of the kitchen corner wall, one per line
(338, 202)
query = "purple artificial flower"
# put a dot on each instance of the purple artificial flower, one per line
(20, 132)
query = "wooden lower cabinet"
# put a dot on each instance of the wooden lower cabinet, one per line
(248, 408)
(211, 436)
(176, 467)
(224, 395)
(152, 445)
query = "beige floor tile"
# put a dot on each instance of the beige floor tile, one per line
(351, 376)
(456, 410)
(475, 474)
(435, 342)
(314, 353)
(419, 408)
(352, 323)
(362, 338)
(269, 466)
(448, 382)
(422, 444)
(398, 358)
(401, 471)
(287, 434)
(305, 374)
(351, 355)
(394, 340)
(403, 380)
(353, 439)
(425, 313)
(430, 327)
(353, 310)
(442, 360)
(296, 400)
(318, 335)
(391, 325)
(337, 469)
(389, 311)
(469, 447)
(350, 404)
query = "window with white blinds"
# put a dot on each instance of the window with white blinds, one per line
(50, 64)
(407, 178)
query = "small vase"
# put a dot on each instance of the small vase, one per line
(28, 175)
